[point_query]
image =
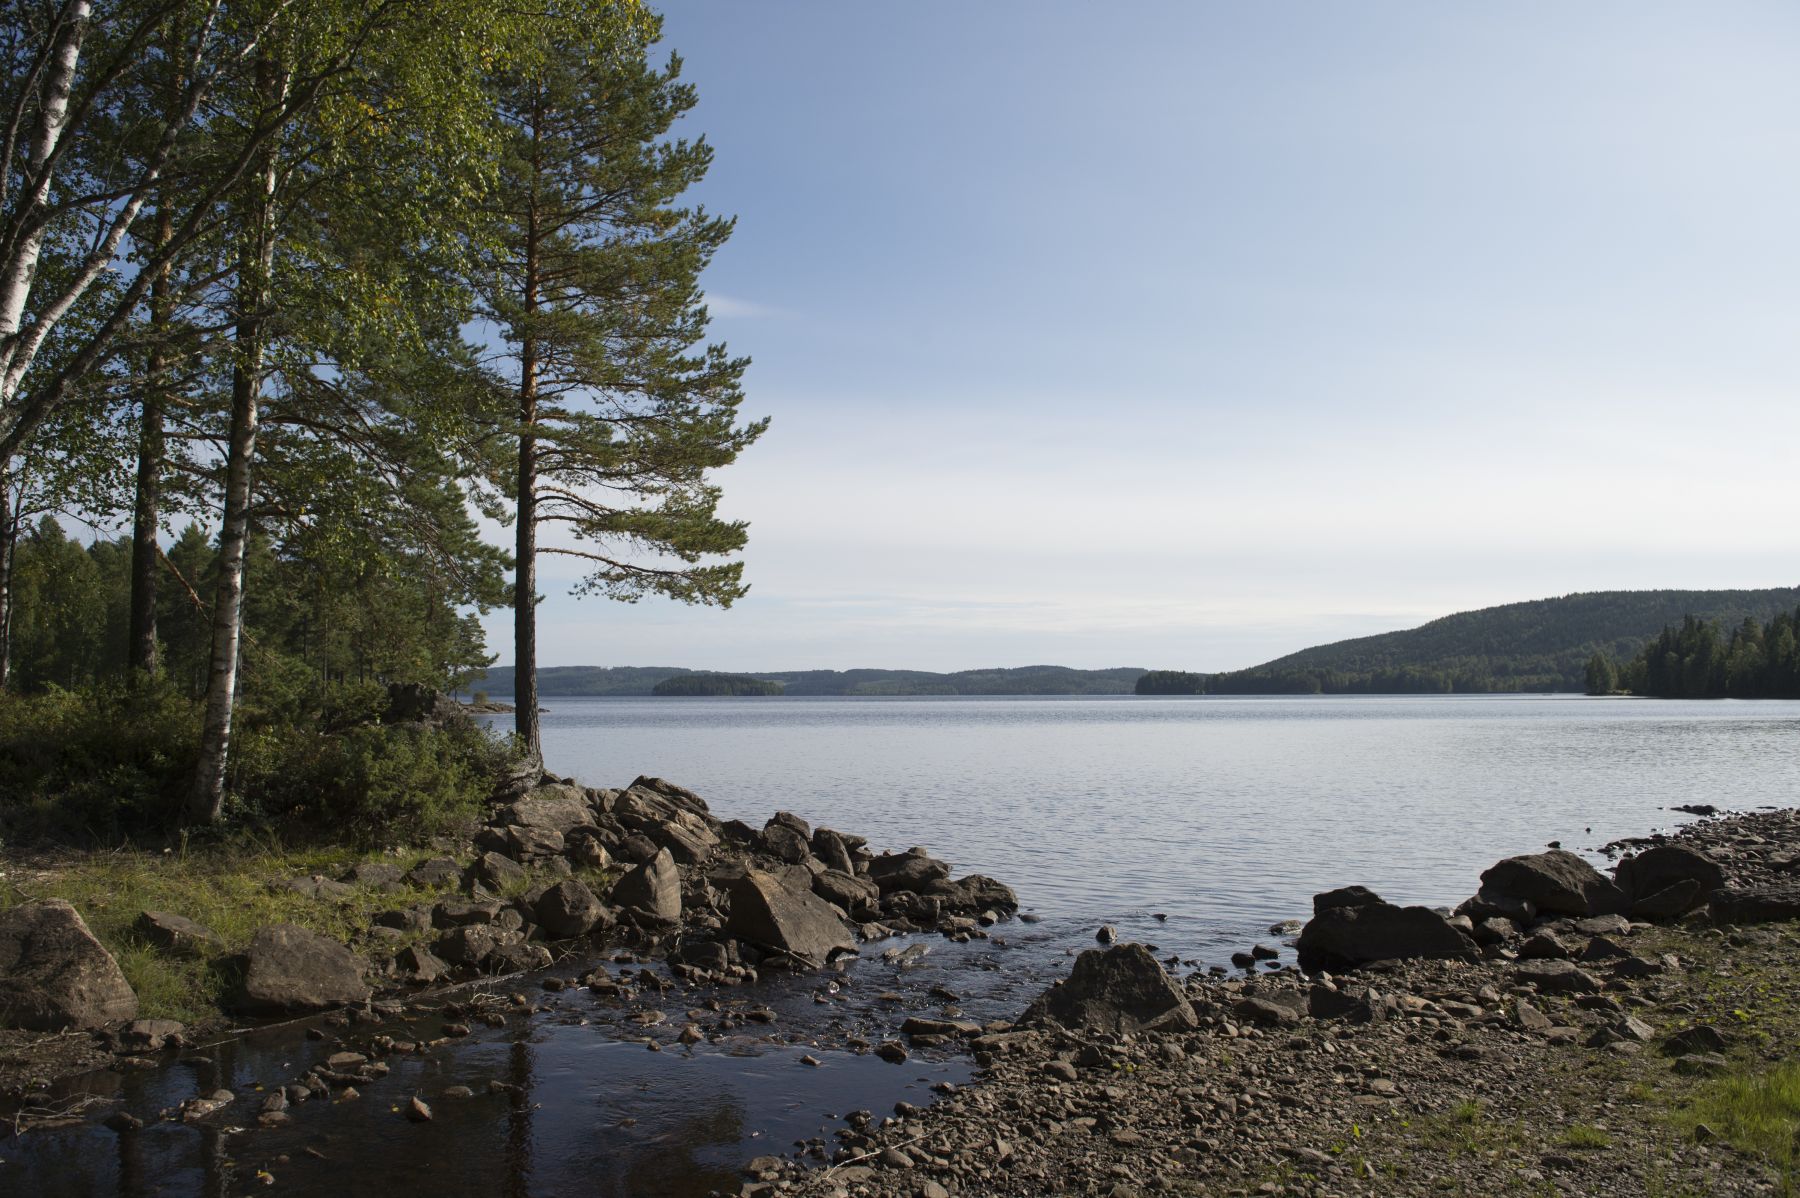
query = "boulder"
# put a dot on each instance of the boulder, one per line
(830, 848)
(175, 933)
(784, 843)
(636, 848)
(1702, 1037)
(586, 849)
(1116, 990)
(151, 1035)
(556, 807)
(290, 969)
(679, 795)
(1648, 874)
(520, 776)
(847, 891)
(419, 965)
(653, 888)
(800, 926)
(1556, 881)
(317, 886)
(438, 871)
(494, 872)
(1343, 937)
(690, 843)
(1330, 1002)
(1345, 896)
(467, 945)
(527, 844)
(1557, 977)
(1270, 1010)
(1757, 904)
(1671, 902)
(911, 871)
(517, 956)
(1545, 946)
(55, 975)
(569, 909)
(376, 875)
(976, 892)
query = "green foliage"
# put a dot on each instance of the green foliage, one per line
(1602, 676)
(1542, 645)
(371, 783)
(695, 685)
(596, 681)
(1171, 682)
(1758, 1114)
(98, 764)
(1698, 661)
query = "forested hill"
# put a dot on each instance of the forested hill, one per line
(1543, 645)
(575, 681)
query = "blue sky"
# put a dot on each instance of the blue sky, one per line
(1186, 335)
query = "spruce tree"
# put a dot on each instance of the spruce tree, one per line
(620, 409)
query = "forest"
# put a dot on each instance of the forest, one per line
(695, 686)
(1543, 645)
(320, 325)
(1698, 660)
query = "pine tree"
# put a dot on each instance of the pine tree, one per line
(620, 410)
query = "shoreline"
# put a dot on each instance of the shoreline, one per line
(1585, 1055)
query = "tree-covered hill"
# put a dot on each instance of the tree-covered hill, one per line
(1541, 645)
(592, 681)
(713, 686)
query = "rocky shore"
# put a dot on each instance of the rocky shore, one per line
(1562, 1032)
(560, 873)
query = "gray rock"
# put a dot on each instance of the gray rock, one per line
(1555, 881)
(317, 886)
(636, 849)
(175, 933)
(802, 927)
(570, 909)
(653, 888)
(1701, 1064)
(1757, 904)
(150, 1035)
(1268, 1012)
(1115, 990)
(291, 969)
(418, 965)
(784, 843)
(516, 956)
(684, 798)
(557, 807)
(1346, 896)
(830, 848)
(856, 896)
(1649, 875)
(435, 872)
(912, 871)
(494, 872)
(54, 974)
(1343, 937)
(528, 844)
(1671, 902)
(468, 945)
(376, 875)
(1558, 977)
(1544, 946)
(1702, 1037)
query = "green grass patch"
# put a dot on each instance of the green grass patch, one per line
(1584, 1136)
(1756, 1113)
(228, 889)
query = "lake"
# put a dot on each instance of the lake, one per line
(1222, 814)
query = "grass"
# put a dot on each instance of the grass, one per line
(226, 888)
(1584, 1136)
(1758, 1113)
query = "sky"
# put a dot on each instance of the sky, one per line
(1185, 335)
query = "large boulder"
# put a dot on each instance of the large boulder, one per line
(1116, 990)
(913, 870)
(653, 888)
(1557, 881)
(680, 795)
(1757, 904)
(798, 925)
(290, 969)
(855, 895)
(1337, 938)
(1657, 880)
(55, 975)
(556, 807)
(784, 843)
(569, 909)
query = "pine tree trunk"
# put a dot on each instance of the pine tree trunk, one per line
(256, 259)
(141, 648)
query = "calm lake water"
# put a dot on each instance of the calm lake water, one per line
(1226, 814)
(1222, 814)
